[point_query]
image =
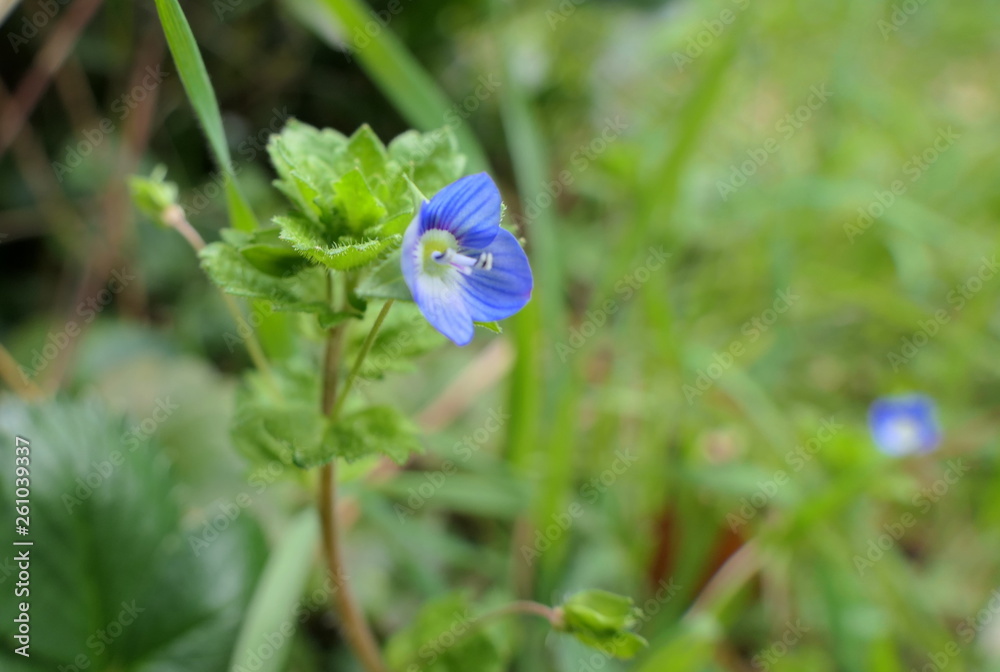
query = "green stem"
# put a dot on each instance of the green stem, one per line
(552, 614)
(365, 349)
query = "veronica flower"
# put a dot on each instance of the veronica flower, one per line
(905, 424)
(460, 266)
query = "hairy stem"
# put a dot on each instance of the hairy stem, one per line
(356, 629)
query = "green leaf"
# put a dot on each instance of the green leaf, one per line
(443, 638)
(109, 548)
(277, 425)
(366, 152)
(372, 431)
(194, 76)
(307, 237)
(432, 159)
(386, 281)
(490, 326)
(353, 207)
(234, 274)
(275, 602)
(602, 620)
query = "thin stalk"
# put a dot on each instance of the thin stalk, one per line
(365, 349)
(356, 629)
(174, 216)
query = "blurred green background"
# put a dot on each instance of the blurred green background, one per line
(747, 220)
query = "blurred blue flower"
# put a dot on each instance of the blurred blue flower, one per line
(905, 424)
(460, 266)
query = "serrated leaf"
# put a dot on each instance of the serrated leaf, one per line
(353, 206)
(372, 431)
(366, 152)
(234, 274)
(307, 237)
(432, 159)
(273, 424)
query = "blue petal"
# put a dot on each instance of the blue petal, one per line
(904, 425)
(439, 299)
(504, 289)
(442, 303)
(468, 208)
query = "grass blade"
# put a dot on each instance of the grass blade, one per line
(194, 76)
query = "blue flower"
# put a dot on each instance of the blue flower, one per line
(905, 424)
(460, 266)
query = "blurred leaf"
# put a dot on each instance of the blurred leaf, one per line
(374, 430)
(115, 582)
(443, 638)
(272, 612)
(603, 620)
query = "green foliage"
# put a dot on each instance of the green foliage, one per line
(603, 620)
(111, 556)
(444, 637)
(374, 430)
(275, 604)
